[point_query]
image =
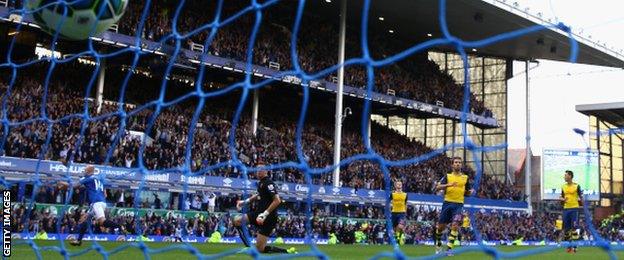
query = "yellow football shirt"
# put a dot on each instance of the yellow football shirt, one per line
(456, 193)
(572, 194)
(399, 202)
(559, 224)
(466, 222)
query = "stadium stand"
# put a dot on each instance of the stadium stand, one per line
(274, 143)
(418, 79)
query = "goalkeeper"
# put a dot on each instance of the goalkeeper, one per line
(264, 217)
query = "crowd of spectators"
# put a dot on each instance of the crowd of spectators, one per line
(166, 146)
(612, 228)
(416, 78)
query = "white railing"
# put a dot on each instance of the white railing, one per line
(274, 65)
(197, 47)
(4, 3)
(114, 103)
(15, 18)
(114, 28)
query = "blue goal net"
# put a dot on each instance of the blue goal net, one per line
(164, 96)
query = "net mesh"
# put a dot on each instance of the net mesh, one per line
(246, 86)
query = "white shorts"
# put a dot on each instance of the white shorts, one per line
(97, 210)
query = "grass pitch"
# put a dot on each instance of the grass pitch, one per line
(178, 251)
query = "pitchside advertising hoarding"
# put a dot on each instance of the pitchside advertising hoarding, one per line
(56, 169)
(584, 164)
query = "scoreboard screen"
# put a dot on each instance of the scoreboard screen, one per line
(583, 163)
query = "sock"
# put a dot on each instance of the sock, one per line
(451, 239)
(110, 224)
(274, 249)
(437, 237)
(566, 236)
(242, 236)
(82, 229)
(575, 236)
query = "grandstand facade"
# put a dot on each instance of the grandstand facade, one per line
(488, 81)
(606, 122)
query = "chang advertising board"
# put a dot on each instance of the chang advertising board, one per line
(583, 163)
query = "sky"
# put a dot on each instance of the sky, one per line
(557, 87)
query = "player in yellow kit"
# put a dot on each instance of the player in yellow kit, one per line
(455, 185)
(558, 228)
(398, 199)
(571, 198)
(465, 227)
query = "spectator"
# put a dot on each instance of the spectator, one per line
(120, 198)
(157, 203)
(211, 202)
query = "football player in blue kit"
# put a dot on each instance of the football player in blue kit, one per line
(96, 195)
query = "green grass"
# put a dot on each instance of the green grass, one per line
(349, 252)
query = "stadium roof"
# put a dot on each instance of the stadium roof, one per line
(610, 112)
(413, 21)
